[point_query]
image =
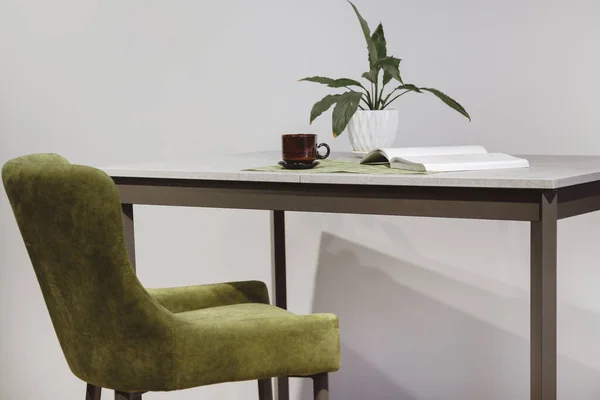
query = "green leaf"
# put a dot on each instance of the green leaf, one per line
(367, 33)
(323, 105)
(391, 69)
(346, 106)
(378, 38)
(409, 86)
(333, 83)
(343, 82)
(371, 76)
(450, 102)
(318, 79)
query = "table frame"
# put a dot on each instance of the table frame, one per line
(541, 207)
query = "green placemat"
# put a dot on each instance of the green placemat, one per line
(335, 166)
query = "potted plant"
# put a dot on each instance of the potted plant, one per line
(365, 112)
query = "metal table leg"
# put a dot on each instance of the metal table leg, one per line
(543, 300)
(279, 282)
(129, 234)
(130, 243)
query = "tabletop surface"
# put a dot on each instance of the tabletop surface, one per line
(545, 172)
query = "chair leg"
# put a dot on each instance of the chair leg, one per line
(92, 392)
(321, 386)
(127, 396)
(265, 389)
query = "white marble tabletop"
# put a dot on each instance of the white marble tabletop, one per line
(545, 172)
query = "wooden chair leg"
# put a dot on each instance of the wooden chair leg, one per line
(265, 389)
(92, 392)
(321, 386)
(127, 396)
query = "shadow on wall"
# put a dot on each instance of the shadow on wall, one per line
(398, 343)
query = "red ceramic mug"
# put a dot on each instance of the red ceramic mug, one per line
(302, 148)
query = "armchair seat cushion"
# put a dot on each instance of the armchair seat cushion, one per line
(243, 340)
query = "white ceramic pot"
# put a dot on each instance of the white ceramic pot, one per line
(371, 129)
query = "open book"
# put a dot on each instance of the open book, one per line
(443, 159)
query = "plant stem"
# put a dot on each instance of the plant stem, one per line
(377, 94)
(388, 96)
(381, 102)
(373, 97)
(368, 105)
(390, 102)
(369, 101)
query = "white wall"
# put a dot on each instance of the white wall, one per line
(430, 309)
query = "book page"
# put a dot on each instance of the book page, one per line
(401, 153)
(462, 162)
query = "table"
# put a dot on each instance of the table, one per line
(553, 188)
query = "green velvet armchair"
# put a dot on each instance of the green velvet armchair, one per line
(118, 335)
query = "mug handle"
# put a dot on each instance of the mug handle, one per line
(319, 156)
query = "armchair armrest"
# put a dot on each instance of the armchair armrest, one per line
(188, 298)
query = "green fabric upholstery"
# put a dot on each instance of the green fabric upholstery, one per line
(188, 298)
(116, 334)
